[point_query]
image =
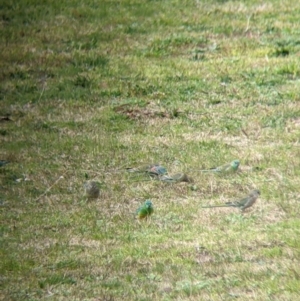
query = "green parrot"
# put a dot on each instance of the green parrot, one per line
(92, 190)
(145, 210)
(226, 168)
(180, 177)
(243, 203)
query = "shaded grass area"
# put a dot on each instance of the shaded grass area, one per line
(88, 89)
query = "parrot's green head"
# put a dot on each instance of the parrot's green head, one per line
(235, 164)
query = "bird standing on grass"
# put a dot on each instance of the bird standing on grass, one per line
(145, 210)
(243, 203)
(157, 170)
(92, 190)
(226, 168)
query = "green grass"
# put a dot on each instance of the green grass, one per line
(90, 88)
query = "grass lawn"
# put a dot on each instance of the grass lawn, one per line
(90, 88)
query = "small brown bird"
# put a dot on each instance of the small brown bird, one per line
(92, 190)
(243, 203)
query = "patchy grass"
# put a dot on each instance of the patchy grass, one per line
(88, 89)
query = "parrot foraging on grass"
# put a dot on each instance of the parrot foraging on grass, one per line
(243, 203)
(145, 210)
(226, 168)
(92, 190)
(157, 170)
